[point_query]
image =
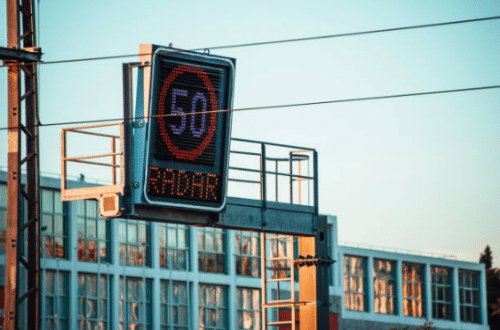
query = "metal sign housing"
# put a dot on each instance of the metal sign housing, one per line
(189, 129)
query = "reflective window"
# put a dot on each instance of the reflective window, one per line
(211, 250)
(282, 249)
(174, 305)
(413, 290)
(384, 286)
(93, 233)
(135, 303)
(174, 246)
(249, 308)
(247, 253)
(134, 242)
(469, 296)
(55, 300)
(441, 293)
(3, 217)
(355, 283)
(213, 312)
(53, 229)
(93, 301)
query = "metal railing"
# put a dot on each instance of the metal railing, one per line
(272, 172)
(258, 170)
(115, 145)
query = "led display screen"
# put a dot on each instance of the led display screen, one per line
(188, 135)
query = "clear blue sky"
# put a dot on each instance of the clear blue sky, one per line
(418, 173)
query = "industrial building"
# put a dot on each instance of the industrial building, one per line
(125, 274)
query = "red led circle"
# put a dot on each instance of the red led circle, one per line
(198, 151)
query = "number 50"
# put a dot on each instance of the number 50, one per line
(198, 97)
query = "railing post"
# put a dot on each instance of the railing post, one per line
(263, 185)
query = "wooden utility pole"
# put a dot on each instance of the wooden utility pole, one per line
(21, 56)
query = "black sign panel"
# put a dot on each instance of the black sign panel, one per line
(189, 130)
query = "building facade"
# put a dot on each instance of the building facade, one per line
(121, 274)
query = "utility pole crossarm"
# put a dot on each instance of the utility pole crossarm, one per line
(32, 54)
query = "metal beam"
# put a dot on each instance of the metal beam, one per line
(20, 55)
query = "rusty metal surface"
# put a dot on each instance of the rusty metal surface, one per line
(22, 15)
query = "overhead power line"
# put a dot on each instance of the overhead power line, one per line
(291, 105)
(282, 41)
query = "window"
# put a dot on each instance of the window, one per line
(134, 243)
(355, 283)
(247, 251)
(173, 305)
(441, 293)
(213, 307)
(93, 305)
(249, 307)
(211, 250)
(135, 303)
(413, 290)
(469, 296)
(384, 286)
(53, 224)
(3, 217)
(55, 300)
(174, 246)
(93, 232)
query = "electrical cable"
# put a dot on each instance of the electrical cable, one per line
(268, 107)
(262, 43)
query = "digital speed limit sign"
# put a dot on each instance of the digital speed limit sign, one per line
(188, 133)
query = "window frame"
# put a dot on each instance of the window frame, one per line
(241, 258)
(205, 307)
(84, 219)
(361, 281)
(217, 254)
(128, 245)
(171, 253)
(442, 285)
(145, 305)
(51, 233)
(170, 302)
(59, 300)
(256, 313)
(384, 282)
(99, 298)
(469, 285)
(411, 303)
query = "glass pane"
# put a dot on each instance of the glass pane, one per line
(47, 201)
(91, 209)
(47, 222)
(142, 234)
(181, 239)
(219, 241)
(172, 237)
(104, 286)
(59, 225)
(57, 202)
(122, 232)
(162, 237)
(3, 195)
(101, 229)
(209, 243)
(80, 206)
(49, 282)
(91, 228)
(132, 233)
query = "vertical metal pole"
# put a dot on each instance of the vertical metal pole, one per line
(263, 179)
(15, 222)
(13, 176)
(263, 277)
